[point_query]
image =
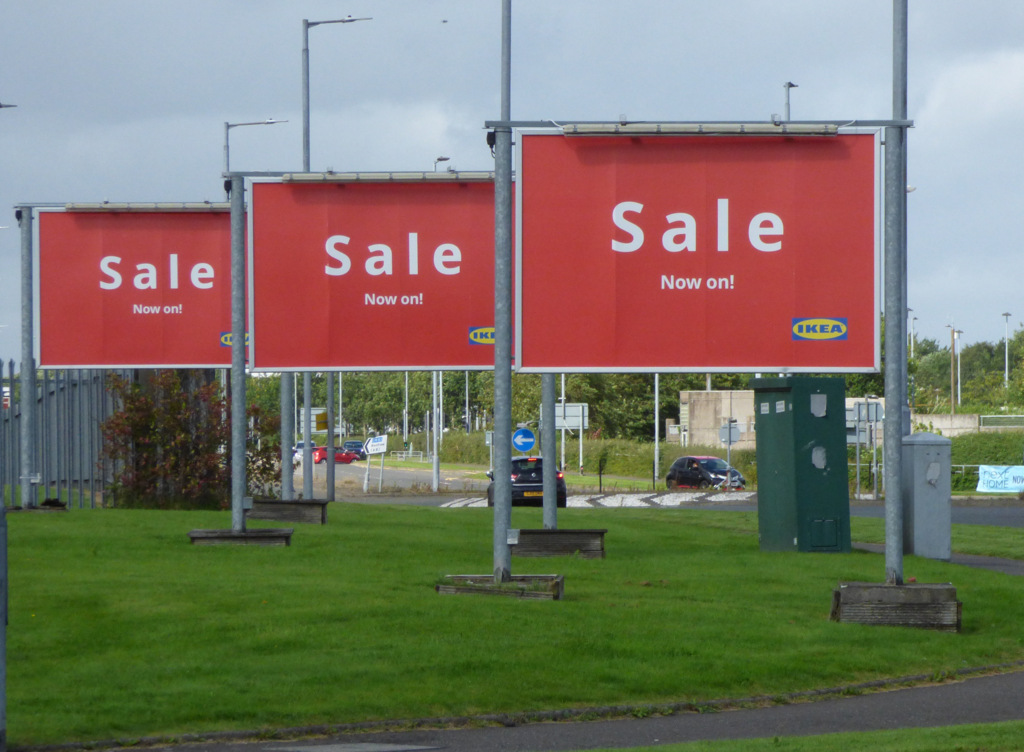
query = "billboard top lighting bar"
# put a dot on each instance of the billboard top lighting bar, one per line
(170, 206)
(387, 177)
(730, 129)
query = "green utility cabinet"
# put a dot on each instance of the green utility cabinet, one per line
(803, 494)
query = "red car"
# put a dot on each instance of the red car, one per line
(341, 457)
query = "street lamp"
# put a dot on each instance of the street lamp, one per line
(787, 86)
(307, 378)
(952, 368)
(227, 130)
(306, 26)
(440, 159)
(957, 333)
(1006, 350)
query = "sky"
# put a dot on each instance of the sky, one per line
(122, 100)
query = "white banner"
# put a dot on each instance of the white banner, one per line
(1001, 478)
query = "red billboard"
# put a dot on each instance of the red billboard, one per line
(134, 289)
(379, 275)
(697, 253)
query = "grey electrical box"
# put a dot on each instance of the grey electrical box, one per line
(927, 496)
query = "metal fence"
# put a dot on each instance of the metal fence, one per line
(66, 444)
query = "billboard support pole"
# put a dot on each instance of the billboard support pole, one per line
(238, 350)
(895, 303)
(547, 443)
(28, 370)
(503, 311)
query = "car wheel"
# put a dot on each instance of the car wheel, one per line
(671, 483)
(703, 484)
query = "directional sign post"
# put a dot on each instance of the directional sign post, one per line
(523, 440)
(375, 445)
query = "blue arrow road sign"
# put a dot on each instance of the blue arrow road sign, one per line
(523, 439)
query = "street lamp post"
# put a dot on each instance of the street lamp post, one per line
(306, 26)
(307, 378)
(1006, 350)
(787, 86)
(227, 130)
(440, 159)
(952, 368)
(959, 348)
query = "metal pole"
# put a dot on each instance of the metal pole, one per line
(960, 381)
(330, 436)
(238, 347)
(895, 303)
(547, 443)
(28, 370)
(952, 369)
(503, 311)
(657, 432)
(562, 463)
(287, 436)
(467, 402)
(405, 413)
(1006, 351)
(305, 95)
(435, 460)
(307, 435)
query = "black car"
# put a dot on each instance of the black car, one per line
(528, 484)
(703, 472)
(356, 447)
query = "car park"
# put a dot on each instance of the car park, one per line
(703, 472)
(341, 457)
(528, 483)
(356, 447)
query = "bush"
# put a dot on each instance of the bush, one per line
(169, 443)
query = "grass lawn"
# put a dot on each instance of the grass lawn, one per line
(120, 628)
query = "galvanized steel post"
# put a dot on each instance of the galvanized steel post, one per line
(28, 370)
(238, 349)
(503, 310)
(547, 443)
(895, 302)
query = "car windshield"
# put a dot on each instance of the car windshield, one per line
(714, 465)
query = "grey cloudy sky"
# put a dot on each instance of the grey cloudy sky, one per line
(125, 100)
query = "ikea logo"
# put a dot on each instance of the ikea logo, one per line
(481, 335)
(819, 329)
(225, 339)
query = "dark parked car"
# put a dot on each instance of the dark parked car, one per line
(341, 457)
(528, 484)
(356, 447)
(703, 472)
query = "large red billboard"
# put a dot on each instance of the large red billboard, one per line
(377, 275)
(697, 253)
(134, 289)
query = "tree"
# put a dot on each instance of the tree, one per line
(170, 442)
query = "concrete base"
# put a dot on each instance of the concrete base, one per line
(546, 587)
(313, 511)
(257, 537)
(922, 605)
(588, 544)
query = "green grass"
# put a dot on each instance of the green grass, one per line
(120, 628)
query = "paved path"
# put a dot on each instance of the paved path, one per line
(985, 699)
